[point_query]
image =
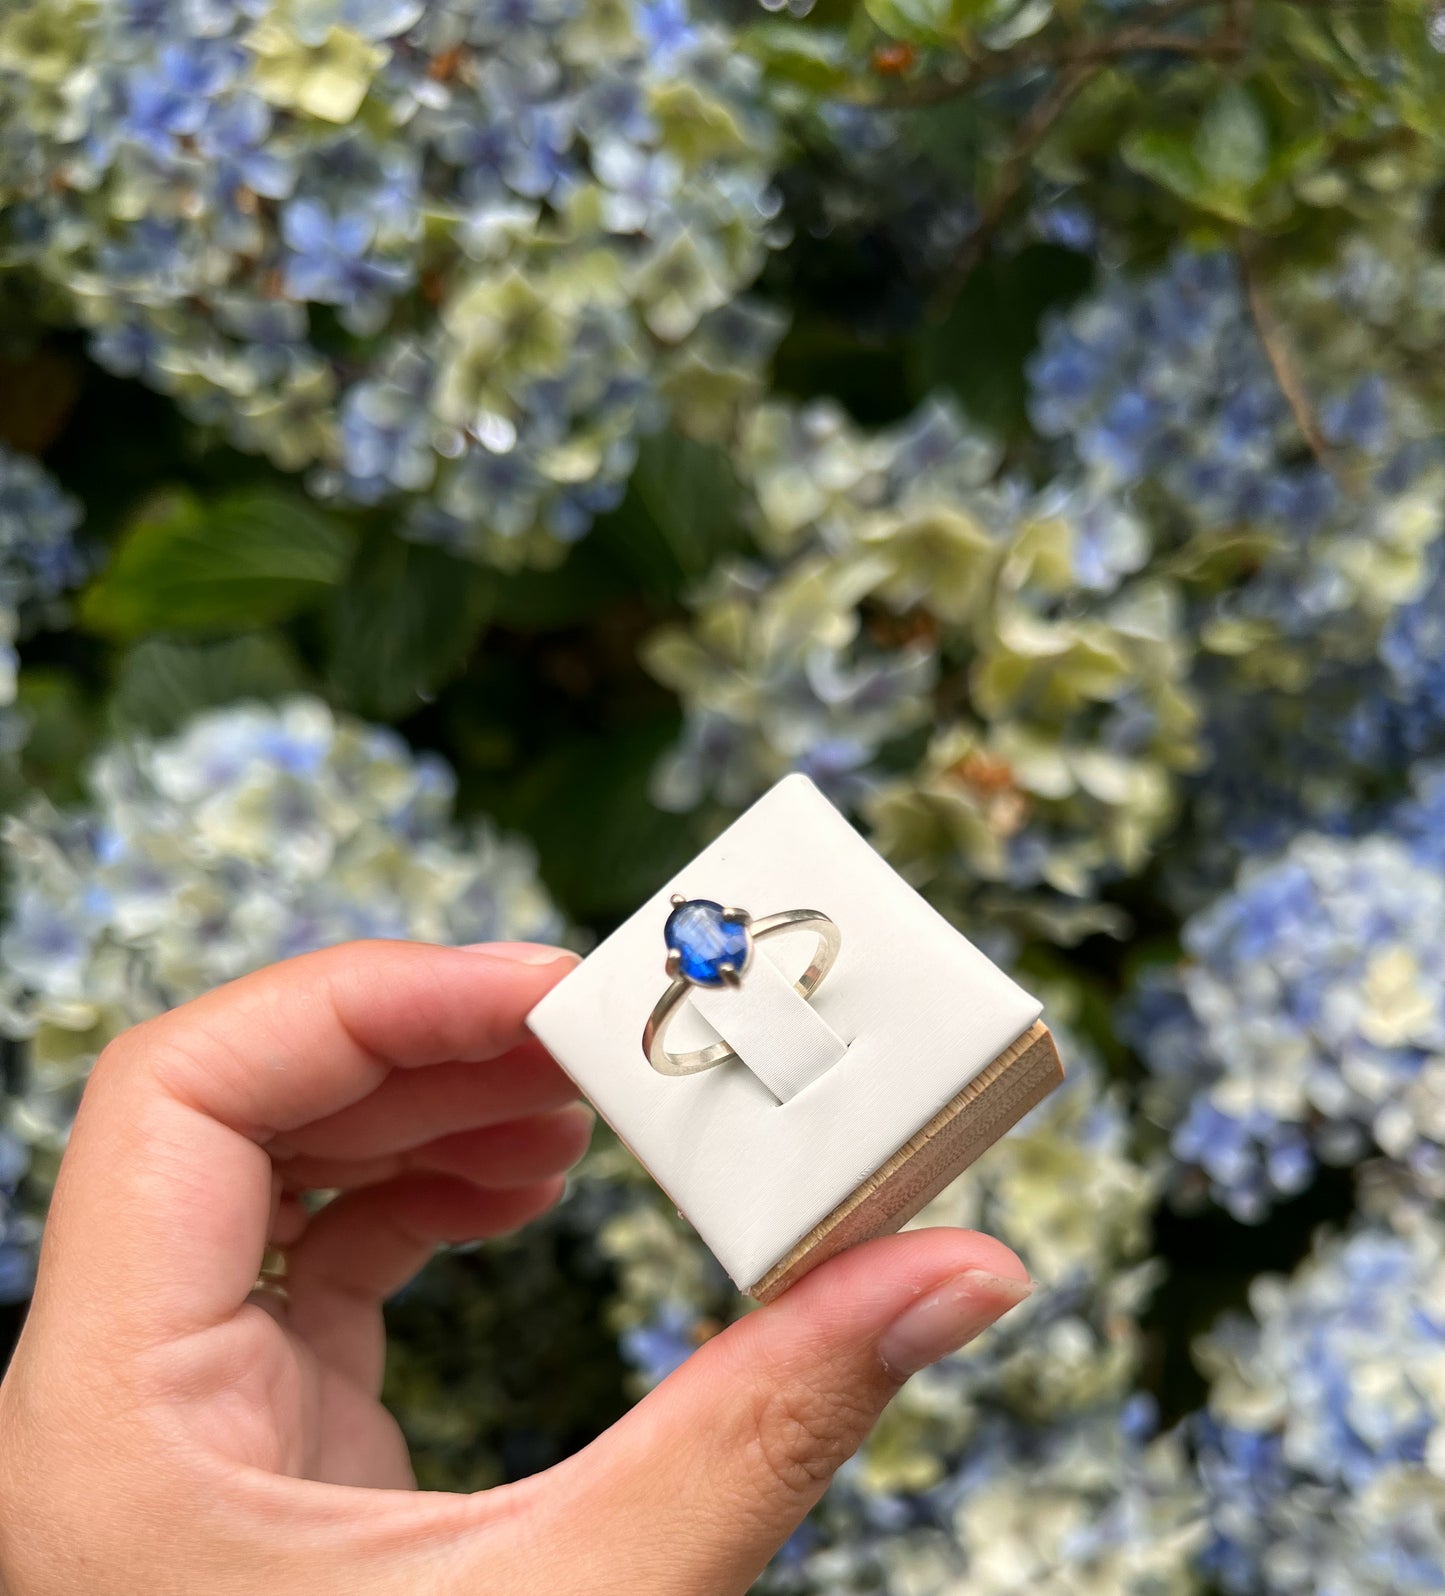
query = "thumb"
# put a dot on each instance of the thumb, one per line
(694, 1491)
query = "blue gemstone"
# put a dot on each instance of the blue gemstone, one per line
(705, 940)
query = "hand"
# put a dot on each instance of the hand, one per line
(163, 1430)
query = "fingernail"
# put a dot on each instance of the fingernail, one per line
(522, 952)
(948, 1318)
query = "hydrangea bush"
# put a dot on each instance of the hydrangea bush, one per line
(1025, 419)
(908, 576)
(460, 253)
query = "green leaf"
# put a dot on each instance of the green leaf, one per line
(583, 586)
(402, 625)
(930, 22)
(958, 136)
(691, 500)
(681, 513)
(252, 558)
(1013, 21)
(812, 58)
(1232, 143)
(160, 684)
(61, 735)
(1421, 89)
(1253, 145)
(1170, 159)
(919, 21)
(601, 843)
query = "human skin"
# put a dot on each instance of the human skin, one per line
(167, 1431)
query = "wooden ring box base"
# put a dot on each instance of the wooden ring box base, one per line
(992, 1103)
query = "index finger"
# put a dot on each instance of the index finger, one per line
(164, 1195)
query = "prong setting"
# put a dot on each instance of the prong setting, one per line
(677, 900)
(713, 945)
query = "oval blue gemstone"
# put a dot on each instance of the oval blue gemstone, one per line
(705, 940)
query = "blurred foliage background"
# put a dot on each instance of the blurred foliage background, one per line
(456, 453)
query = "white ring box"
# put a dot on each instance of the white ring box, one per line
(843, 1116)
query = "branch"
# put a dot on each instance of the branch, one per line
(1238, 21)
(1084, 62)
(1097, 48)
(1035, 128)
(1282, 363)
(1227, 43)
(1099, 52)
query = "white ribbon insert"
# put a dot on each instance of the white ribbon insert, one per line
(778, 1034)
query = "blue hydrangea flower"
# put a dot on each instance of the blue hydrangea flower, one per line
(1307, 1023)
(1163, 382)
(331, 260)
(17, 1229)
(662, 1344)
(235, 139)
(1321, 1446)
(665, 27)
(39, 558)
(39, 561)
(1412, 650)
(1082, 1506)
(1420, 820)
(253, 834)
(207, 172)
(173, 99)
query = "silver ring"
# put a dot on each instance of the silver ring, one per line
(712, 946)
(271, 1278)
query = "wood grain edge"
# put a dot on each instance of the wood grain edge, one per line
(967, 1125)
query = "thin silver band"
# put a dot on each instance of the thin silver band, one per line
(705, 1058)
